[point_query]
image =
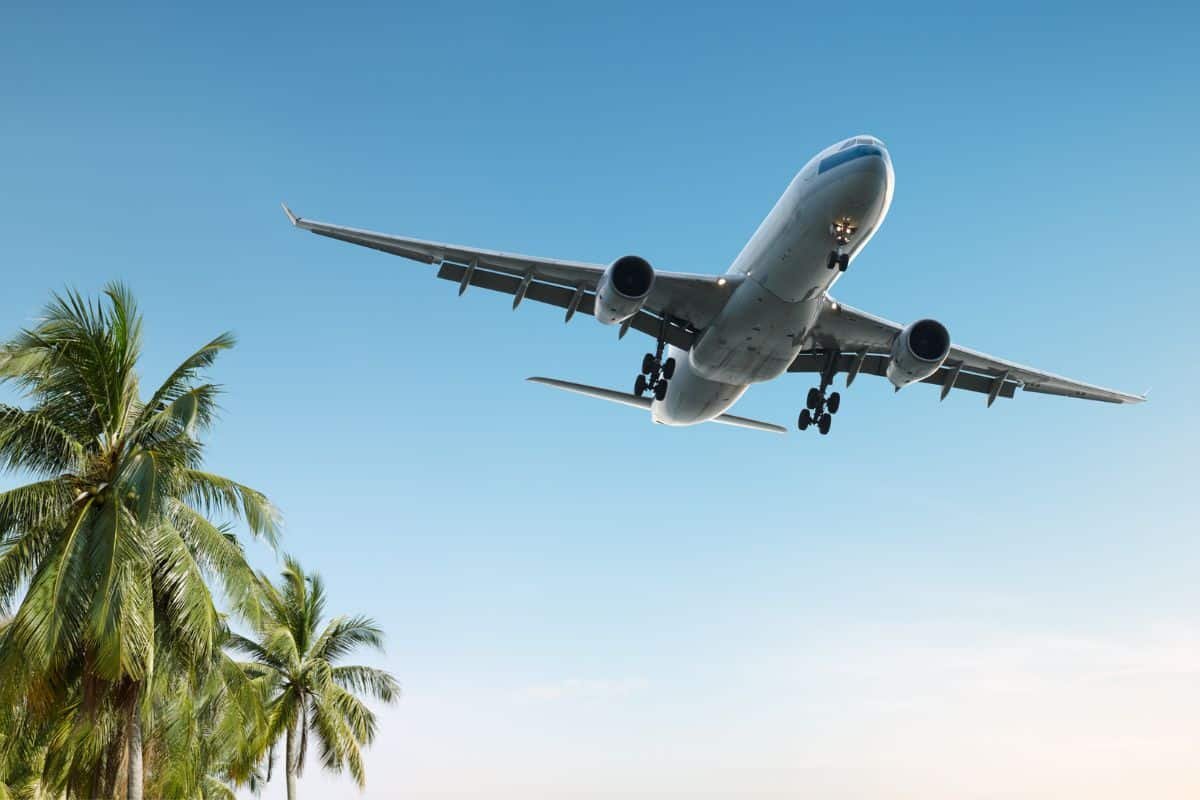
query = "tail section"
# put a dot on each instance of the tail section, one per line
(613, 396)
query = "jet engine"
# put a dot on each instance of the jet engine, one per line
(918, 352)
(623, 288)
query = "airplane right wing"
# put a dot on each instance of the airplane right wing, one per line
(852, 341)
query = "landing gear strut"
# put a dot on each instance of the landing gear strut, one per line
(820, 407)
(656, 373)
(841, 230)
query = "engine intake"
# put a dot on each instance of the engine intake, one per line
(918, 352)
(623, 288)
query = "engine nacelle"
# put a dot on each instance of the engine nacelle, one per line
(623, 288)
(918, 352)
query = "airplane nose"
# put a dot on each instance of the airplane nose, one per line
(860, 189)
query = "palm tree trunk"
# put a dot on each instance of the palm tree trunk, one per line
(133, 777)
(290, 757)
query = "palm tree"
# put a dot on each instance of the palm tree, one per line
(113, 537)
(205, 729)
(310, 690)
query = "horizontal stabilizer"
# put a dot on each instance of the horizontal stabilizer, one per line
(625, 399)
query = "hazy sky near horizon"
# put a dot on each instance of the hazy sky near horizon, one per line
(938, 600)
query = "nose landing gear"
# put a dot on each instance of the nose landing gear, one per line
(839, 260)
(656, 373)
(841, 230)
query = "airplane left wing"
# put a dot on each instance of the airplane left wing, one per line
(679, 305)
(845, 339)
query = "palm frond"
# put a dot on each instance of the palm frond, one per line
(262, 656)
(216, 493)
(31, 518)
(343, 634)
(34, 505)
(35, 441)
(377, 683)
(221, 555)
(48, 625)
(192, 411)
(184, 376)
(338, 745)
(121, 626)
(190, 617)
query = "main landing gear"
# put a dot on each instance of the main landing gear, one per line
(841, 230)
(655, 373)
(820, 407)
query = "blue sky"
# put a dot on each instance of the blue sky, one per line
(938, 599)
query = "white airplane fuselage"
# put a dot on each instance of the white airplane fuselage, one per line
(783, 274)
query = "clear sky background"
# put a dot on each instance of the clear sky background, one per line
(938, 600)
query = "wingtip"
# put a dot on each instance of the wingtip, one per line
(291, 217)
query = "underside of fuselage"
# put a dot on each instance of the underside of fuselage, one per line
(830, 209)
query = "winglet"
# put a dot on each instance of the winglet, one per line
(294, 219)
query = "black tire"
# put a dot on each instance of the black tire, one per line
(639, 385)
(823, 424)
(843, 262)
(648, 363)
(832, 261)
(834, 403)
(805, 420)
(669, 369)
(814, 399)
(660, 391)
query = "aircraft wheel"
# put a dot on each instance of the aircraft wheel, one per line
(814, 399)
(843, 262)
(832, 261)
(823, 423)
(648, 363)
(805, 420)
(669, 369)
(639, 385)
(660, 391)
(834, 403)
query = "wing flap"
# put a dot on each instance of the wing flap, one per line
(562, 296)
(874, 364)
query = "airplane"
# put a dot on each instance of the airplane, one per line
(769, 314)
